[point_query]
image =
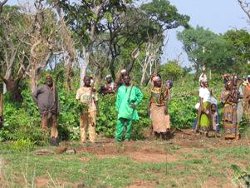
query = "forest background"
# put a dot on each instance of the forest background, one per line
(70, 39)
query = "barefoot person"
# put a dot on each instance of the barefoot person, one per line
(204, 111)
(159, 109)
(88, 98)
(229, 98)
(128, 98)
(46, 98)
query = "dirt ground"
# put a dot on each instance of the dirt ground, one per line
(150, 150)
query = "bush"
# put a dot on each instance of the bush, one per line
(22, 122)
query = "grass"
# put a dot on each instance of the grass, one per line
(193, 169)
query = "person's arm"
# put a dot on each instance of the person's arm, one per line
(78, 94)
(139, 96)
(36, 93)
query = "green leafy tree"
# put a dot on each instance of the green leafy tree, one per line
(204, 47)
(239, 41)
(171, 70)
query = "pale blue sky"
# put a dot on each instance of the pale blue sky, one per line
(216, 15)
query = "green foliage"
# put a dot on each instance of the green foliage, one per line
(22, 122)
(239, 41)
(107, 115)
(171, 70)
(182, 102)
(166, 14)
(22, 145)
(204, 47)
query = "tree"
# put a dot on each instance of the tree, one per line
(245, 6)
(87, 19)
(204, 47)
(2, 3)
(171, 70)
(239, 41)
(162, 12)
(12, 60)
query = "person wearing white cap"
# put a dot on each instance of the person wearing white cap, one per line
(110, 87)
(119, 81)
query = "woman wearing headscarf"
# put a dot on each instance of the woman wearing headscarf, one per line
(204, 112)
(229, 98)
(160, 95)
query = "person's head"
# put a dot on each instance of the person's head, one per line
(169, 84)
(157, 81)
(248, 78)
(204, 84)
(126, 80)
(49, 81)
(108, 79)
(123, 72)
(213, 107)
(87, 81)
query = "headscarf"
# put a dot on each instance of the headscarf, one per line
(108, 76)
(170, 83)
(48, 76)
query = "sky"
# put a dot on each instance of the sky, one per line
(218, 16)
(215, 15)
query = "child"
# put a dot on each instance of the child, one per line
(215, 118)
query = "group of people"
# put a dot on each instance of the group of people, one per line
(129, 96)
(235, 99)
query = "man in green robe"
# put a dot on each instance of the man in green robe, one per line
(128, 97)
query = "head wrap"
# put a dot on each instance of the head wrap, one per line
(170, 83)
(156, 78)
(48, 76)
(108, 76)
(123, 71)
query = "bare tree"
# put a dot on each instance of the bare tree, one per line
(42, 41)
(68, 44)
(2, 3)
(245, 6)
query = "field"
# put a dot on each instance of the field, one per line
(186, 160)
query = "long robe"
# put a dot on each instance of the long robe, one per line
(160, 119)
(125, 97)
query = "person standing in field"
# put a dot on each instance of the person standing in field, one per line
(46, 98)
(128, 98)
(110, 87)
(88, 100)
(158, 106)
(204, 109)
(229, 99)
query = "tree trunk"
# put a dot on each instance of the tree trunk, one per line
(1, 105)
(69, 74)
(84, 65)
(13, 87)
(33, 79)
